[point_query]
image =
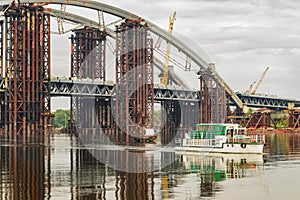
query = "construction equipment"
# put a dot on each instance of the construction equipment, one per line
(165, 78)
(250, 90)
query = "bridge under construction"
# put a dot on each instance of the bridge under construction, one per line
(116, 108)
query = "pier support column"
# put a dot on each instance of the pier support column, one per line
(27, 69)
(134, 81)
(171, 118)
(88, 47)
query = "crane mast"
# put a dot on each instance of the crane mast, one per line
(250, 91)
(165, 78)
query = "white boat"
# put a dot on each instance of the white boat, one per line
(220, 138)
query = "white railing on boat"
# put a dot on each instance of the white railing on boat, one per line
(198, 142)
(218, 142)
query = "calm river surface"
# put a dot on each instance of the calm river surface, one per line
(63, 169)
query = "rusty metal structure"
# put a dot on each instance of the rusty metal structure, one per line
(129, 106)
(88, 47)
(26, 41)
(27, 169)
(260, 120)
(294, 119)
(213, 106)
(134, 81)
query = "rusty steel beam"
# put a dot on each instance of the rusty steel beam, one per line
(134, 81)
(90, 23)
(155, 29)
(27, 70)
(88, 46)
(204, 104)
(294, 119)
(260, 120)
(213, 103)
(170, 119)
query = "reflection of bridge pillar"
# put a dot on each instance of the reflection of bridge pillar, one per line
(25, 170)
(88, 46)
(134, 81)
(135, 184)
(27, 69)
(171, 118)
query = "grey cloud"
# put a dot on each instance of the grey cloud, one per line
(241, 36)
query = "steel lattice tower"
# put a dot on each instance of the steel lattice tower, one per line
(134, 81)
(27, 69)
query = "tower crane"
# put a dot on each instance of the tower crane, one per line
(250, 90)
(165, 78)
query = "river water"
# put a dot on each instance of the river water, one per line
(61, 168)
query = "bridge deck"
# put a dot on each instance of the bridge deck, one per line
(67, 87)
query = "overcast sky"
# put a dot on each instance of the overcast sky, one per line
(242, 37)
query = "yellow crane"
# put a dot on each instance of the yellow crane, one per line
(250, 90)
(165, 78)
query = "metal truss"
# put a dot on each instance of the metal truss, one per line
(27, 67)
(271, 102)
(260, 120)
(161, 93)
(134, 80)
(294, 119)
(155, 29)
(88, 46)
(81, 88)
(215, 95)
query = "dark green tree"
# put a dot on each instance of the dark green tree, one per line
(61, 118)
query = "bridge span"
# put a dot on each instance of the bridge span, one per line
(163, 93)
(99, 89)
(26, 84)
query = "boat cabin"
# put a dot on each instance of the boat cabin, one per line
(210, 131)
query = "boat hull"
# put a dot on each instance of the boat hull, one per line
(235, 148)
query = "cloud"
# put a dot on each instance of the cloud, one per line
(241, 36)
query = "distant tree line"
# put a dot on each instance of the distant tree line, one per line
(61, 118)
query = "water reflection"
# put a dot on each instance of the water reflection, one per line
(63, 169)
(25, 169)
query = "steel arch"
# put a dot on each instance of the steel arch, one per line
(87, 22)
(155, 29)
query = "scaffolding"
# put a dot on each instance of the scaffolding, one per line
(134, 81)
(260, 120)
(294, 119)
(88, 48)
(213, 107)
(27, 64)
(170, 119)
